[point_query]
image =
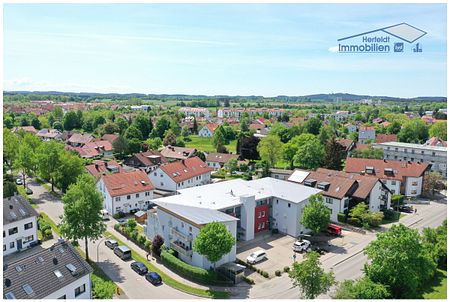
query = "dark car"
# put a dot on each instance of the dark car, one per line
(139, 268)
(29, 191)
(405, 208)
(153, 278)
(111, 243)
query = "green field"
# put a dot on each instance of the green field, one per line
(438, 286)
(206, 144)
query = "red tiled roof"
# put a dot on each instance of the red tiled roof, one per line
(99, 167)
(347, 143)
(125, 183)
(339, 186)
(30, 129)
(363, 128)
(101, 146)
(385, 124)
(150, 158)
(110, 137)
(256, 126)
(186, 169)
(384, 138)
(177, 152)
(362, 146)
(401, 169)
(435, 141)
(212, 127)
(221, 157)
(80, 138)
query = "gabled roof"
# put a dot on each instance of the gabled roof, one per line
(339, 187)
(400, 169)
(346, 143)
(101, 146)
(110, 137)
(185, 169)
(125, 183)
(30, 129)
(221, 157)
(211, 127)
(80, 138)
(16, 208)
(365, 128)
(150, 158)
(382, 138)
(177, 152)
(100, 167)
(49, 133)
(39, 271)
(435, 141)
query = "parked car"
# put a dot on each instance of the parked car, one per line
(334, 230)
(122, 220)
(405, 208)
(301, 246)
(105, 214)
(256, 257)
(139, 268)
(112, 244)
(153, 278)
(29, 191)
(19, 181)
(123, 252)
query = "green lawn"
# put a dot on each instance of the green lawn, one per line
(206, 144)
(437, 289)
(22, 191)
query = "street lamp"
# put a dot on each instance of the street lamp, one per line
(98, 244)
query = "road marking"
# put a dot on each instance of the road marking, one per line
(336, 264)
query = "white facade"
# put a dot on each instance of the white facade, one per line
(197, 112)
(79, 289)
(205, 132)
(287, 215)
(124, 203)
(213, 164)
(162, 181)
(238, 112)
(18, 235)
(413, 186)
(336, 206)
(393, 185)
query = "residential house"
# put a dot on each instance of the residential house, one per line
(176, 153)
(404, 178)
(208, 130)
(80, 139)
(102, 167)
(181, 174)
(49, 134)
(280, 173)
(29, 129)
(435, 155)
(384, 138)
(435, 141)
(57, 272)
(348, 144)
(365, 134)
(126, 192)
(351, 128)
(218, 160)
(20, 229)
(246, 208)
(239, 112)
(341, 115)
(110, 137)
(147, 161)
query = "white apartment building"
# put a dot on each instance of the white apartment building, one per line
(245, 207)
(20, 229)
(58, 272)
(238, 112)
(197, 112)
(185, 173)
(126, 191)
(435, 155)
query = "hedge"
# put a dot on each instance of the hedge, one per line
(341, 217)
(196, 274)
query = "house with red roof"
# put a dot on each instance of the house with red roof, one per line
(29, 129)
(103, 167)
(208, 130)
(126, 192)
(384, 138)
(400, 177)
(436, 141)
(185, 173)
(93, 149)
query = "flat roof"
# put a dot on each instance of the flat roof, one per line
(415, 146)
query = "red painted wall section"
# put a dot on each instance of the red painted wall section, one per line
(261, 218)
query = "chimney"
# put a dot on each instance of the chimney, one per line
(10, 206)
(96, 166)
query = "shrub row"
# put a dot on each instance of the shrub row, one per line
(133, 235)
(248, 280)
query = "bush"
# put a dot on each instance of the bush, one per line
(341, 217)
(131, 224)
(102, 289)
(142, 240)
(397, 199)
(277, 273)
(391, 215)
(374, 218)
(157, 243)
(188, 271)
(117, 226)
(119, 215)
(248, 280)
(148, 245)
(134, 235)
(354, 221)
(47, 233)
(286, 269)
(265, 274)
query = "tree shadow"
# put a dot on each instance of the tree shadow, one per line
(438, 280)
(112, 270)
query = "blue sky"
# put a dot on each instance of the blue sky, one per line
(234, 49)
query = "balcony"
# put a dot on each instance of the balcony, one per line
(181, 236)
(181, 248)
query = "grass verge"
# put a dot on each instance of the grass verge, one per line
(172, 282)
(205, 144)
(23, 193)
(51, 223)
(437, 288)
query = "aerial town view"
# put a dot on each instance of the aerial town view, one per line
(224, 151)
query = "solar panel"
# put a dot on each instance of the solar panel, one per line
(10, 296)
(72, 269)
(58, 274)
(22, 211)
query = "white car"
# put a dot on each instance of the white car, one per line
(301, 246)
(19, 181)
(256, 257)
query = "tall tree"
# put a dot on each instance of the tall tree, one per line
(363, 288)
(36, 123)
(133, 132)
(48, 158)
(143, 123)
(313, 125)
(414, 131)
(71, 167)
(435, 240)
(98, 121)
(25, 161)
(439, 130)
(10, 147)
(310, 155)
(214, 241)
(122, 124)
(399, 260)
(334, 155)
(82, 218)
(195, 126)
(433, 182)
(310, 277)
(170, 138)
(120, 146)
(316, 215)
(162, 125)
(71, 121)
(270, 149)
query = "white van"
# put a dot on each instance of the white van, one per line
(105, 214)
(256, 257)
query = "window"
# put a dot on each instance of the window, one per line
(259, 226)
(28, 226)
(263, 224)
(62, 297)
(259, 215)
(289, 205)
(11, 245)
(161, 175)
(155, 174)
(4, 234)
(162, 184)
(434, 153)
(79, 290)
(190, 229)
(4, 247)
(12, 231)
(329, 200)
(147, 193)
(28, 239)
(263, 214)
(137, 195)
(182, 225)
(413, 192)
(393, 182)
(117, 198)
(117, 209)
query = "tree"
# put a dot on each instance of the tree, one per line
(414, 131)
(310, 277)
(122, 124)
(10, 147)
(313, 125)
(185, 131)
(110, 128)
(288, 152)
(162, 125)
(226, 103)
(219, 140)
(36, 123)
(435, 240)
(439, 130)
(394, 127)
(270, 149)
(133, 132)
(361, 214)
(70, 121)
(363, 288)
(48, 158)
(334, 155)
(58, 113)
(8, 122)
(432, 182)
(71, 166)
(153, 143)
(25, 161)
(98, 121)
(246, 147)
(399, 260)
(170, 138)
(316, 215)
(214, 241)
(195, 126)
(370, 153)
(134, 146)
(58, 126)
(144, 124)
(310, 154)
(231, 165)
(120, 146)
(157, 243)
(82, 206)
(175, 126)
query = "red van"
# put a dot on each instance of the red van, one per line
(334, 230)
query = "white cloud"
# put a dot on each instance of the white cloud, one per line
(333, 49)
